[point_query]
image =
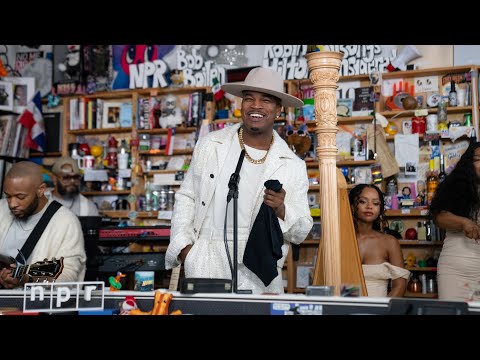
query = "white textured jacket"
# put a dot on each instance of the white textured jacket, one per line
(63, 236)
(196, 192)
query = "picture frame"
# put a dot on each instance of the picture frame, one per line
(6, 95)
(23, 90)
(111, 114)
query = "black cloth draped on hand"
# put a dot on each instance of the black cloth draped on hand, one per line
(264, 245)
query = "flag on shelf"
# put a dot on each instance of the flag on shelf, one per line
(32, 119)
(218, 93)
(170, 141)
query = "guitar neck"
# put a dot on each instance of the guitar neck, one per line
(175, 277)
(20, 271)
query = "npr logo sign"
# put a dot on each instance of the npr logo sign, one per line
(63, 296)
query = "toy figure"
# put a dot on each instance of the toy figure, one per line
(171, 114)
(129, 304)
(176, 76)
(298, 140)
(161, 302)
(115, 282)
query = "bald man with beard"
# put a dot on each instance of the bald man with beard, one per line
(20, 211)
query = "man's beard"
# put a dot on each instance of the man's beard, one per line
(67, 194)
(29, 210)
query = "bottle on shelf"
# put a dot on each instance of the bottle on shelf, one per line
(112, 160)
(123, 155)
(428, 230)
(442, 174)
(148, 195)
(442, 114)
(452, 95)
(432, 182)
(421, 232)
(74, 153)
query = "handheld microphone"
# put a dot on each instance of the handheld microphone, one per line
(235, 177)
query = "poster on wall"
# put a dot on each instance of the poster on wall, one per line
(290, 60)
(139, 66)
(36, 61)
(68, 78)
(97, 67)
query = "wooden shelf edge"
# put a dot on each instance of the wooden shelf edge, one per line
(419, 243)
(427, 72)
(406, 212)
(409, 268)
(408, 113)
(99, 131)
(40, 154)
(105, 193)
(420, 295)
(178, 130)
(314, 164)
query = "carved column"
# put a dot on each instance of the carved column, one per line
(324, 74)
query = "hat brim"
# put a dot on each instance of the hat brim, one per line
(238, 89)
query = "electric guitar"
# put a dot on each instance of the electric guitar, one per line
(41, 271)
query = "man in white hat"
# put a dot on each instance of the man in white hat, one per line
(197, 236)
(66, 179)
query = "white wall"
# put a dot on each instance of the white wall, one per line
(432, 55)
(466, 54)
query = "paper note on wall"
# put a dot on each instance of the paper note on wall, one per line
(406, 149)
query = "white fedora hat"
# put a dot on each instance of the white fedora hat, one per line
(266, 81)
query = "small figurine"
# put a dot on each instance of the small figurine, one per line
(298, 140)
(176, 76)
(129, 304)
(171, 114)
(115, 281)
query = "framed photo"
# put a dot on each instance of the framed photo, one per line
(23, 91)
(6, 95)
(111, 114)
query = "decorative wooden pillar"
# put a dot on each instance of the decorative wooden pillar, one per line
(324, 74)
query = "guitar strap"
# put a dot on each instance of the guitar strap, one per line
(38, 231)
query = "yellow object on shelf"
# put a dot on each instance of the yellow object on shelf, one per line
(315, 212)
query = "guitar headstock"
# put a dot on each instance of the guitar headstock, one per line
(46, 270)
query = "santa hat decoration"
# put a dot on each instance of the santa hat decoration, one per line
(129, 303)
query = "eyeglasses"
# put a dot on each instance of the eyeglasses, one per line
(298, 132)
(67, 178)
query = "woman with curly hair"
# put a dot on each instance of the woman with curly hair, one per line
(380, 253)
(455, 208)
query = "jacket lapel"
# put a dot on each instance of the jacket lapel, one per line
(221, 141)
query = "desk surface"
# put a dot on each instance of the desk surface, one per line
(246, 304)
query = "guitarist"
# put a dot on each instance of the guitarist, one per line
(27, 223)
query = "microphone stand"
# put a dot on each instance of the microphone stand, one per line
(233, 193)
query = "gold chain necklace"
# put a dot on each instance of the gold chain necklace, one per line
(249, 158)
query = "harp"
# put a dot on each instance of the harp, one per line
(350, 262)
(338, 259)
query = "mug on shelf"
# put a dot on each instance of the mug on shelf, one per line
(87, 162)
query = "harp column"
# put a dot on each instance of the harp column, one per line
(324, 74)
